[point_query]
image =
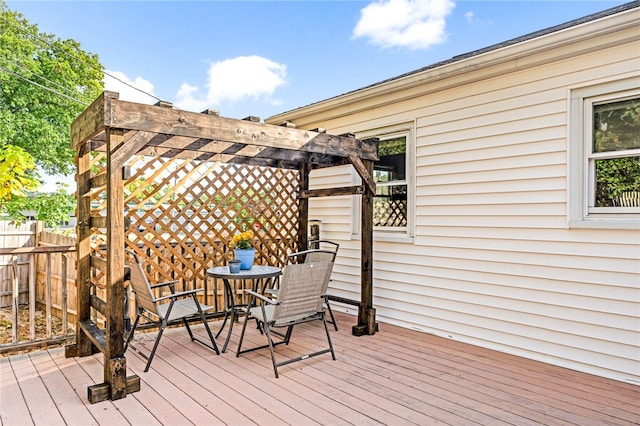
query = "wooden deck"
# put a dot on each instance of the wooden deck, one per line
(395, 377)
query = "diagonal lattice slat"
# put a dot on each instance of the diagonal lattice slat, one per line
(184, 212)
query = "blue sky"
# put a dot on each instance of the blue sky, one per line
(265, 57)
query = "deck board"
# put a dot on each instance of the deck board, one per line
(13, 407)
(39, 402)
(398, 376)
(60, 390)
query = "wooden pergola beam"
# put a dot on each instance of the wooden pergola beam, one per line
(228, 152)
(108, 111)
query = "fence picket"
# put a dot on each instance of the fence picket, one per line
(34, 271)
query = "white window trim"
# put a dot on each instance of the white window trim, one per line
(580, 188)
(403, 234)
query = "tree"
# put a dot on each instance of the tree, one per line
(53, 209)
(616, 128)
(45, 83)
(15, 168)
(16, 179)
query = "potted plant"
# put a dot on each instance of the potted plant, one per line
(242, 248)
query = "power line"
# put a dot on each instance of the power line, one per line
(16, 64)
(77, 59)
(44, 87)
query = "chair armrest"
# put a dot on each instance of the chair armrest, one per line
(299, 253)
(304, 254)
(179, 294)
(261, 297)
(318, 242)
(168, 283)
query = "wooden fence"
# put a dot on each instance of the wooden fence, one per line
(37, 286)
(15, 266)
(38, 291)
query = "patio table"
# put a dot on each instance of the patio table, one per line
(261, 277)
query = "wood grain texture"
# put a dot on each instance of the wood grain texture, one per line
(412, 378)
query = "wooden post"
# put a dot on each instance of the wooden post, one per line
(366, 312)
(114, 365)
(116, 384)
(314, 232)
(83, 345)
(303, 208)
(32, 297)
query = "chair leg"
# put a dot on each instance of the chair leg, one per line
(267, 332)
(287, 335)
(206, 326)
(244, 327)
(186, 325)
(129, 336)
(326, 329)
(155, 345)
(213, 345)
(333, 320)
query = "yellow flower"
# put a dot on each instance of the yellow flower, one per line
(242, 241)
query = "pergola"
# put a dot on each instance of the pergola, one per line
(111, 132)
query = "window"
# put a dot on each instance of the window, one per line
(614, 161)
(605, 156)
(392, 204)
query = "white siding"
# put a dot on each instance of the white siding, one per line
(493, 262)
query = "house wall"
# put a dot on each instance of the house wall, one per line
(492, 260)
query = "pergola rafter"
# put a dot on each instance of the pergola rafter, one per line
(120, 131)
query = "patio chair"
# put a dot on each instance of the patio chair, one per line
(300, 300)
(162, 310)
(319, 251)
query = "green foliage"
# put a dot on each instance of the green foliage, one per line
(392, 146)
(151, 191)
(616, 127)
(32, 117)
(16, 173)
(52, 208)
(618, 175)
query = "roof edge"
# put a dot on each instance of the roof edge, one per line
(470, 55)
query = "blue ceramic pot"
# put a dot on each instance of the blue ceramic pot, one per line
(246, 257)
(234, 266)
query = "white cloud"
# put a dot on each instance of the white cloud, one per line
(414, 24)
(117, 81)
(186, 98)
(234, 80)
(473, 21)
(469, 17)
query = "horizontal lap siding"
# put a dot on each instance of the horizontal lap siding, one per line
(334, 213)
(491, 204)
(492, 262)
(336, 224)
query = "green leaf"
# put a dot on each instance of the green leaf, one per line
(31, 117)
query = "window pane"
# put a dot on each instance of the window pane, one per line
(616, 126)
(392, 163)
(390, 206)
(618, 182)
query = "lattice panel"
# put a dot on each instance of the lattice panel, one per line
(98, 198)
(389, 212)
(184, 212)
